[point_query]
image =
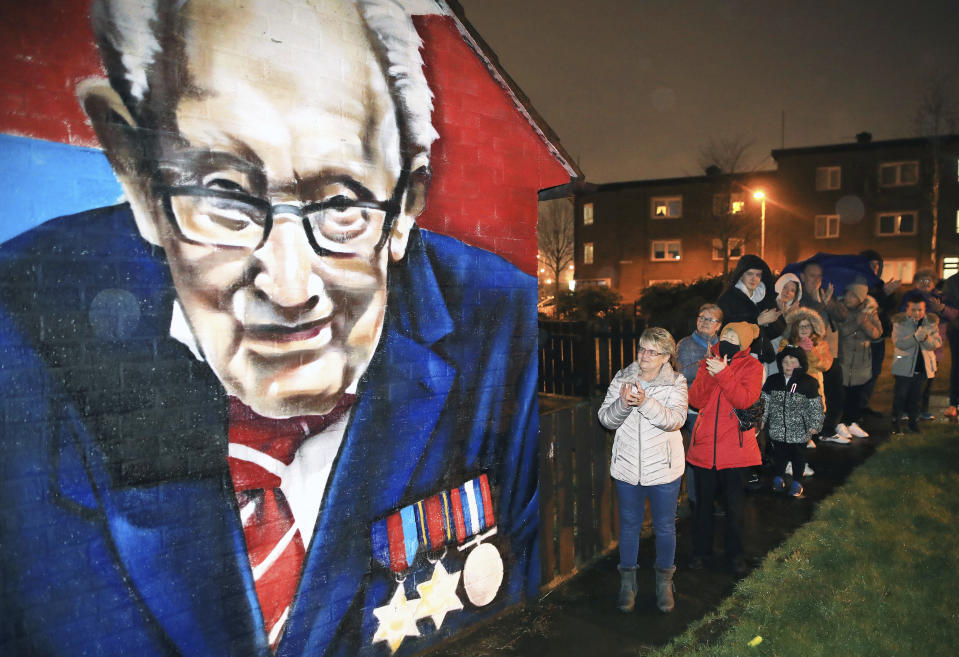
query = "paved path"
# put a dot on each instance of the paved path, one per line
(579, 618)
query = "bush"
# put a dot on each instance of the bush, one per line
(588, 302)
(673, 306)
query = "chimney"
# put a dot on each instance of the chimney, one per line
(864, 138)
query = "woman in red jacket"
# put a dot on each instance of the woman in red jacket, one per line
(720, 453)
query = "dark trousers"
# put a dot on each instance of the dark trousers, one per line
(906, 393)
(852, 404)
(924, 398)
(878, 354)
(794, 453)
(952, 334)
(833, 392)
(708, 482)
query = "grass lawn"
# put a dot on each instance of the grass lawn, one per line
(875, 572)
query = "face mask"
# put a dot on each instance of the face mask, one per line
(728, 349)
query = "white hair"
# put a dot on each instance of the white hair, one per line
(133, 34)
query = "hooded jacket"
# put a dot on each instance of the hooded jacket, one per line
(793, 406)
(648, 448)
(856, 333)
(908, 348)
(819, 358)
(738, 307)
(717, 441)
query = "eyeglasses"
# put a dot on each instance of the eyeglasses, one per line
(643, 351)
(805, 326)
(708, 320)
(338, 226)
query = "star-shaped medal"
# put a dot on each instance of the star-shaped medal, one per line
(438, 596)
(397, 619)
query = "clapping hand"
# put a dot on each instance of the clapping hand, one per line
(768, 316)
(632, 394)
(825, 294)
(806, 344)
(716, 365)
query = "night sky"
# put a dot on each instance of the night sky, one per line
(635, 88)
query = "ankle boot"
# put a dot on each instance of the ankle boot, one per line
(665, 589)
(627, 589)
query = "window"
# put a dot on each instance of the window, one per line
(588, 253)
(665, 250)
(950, 266)
(901, 223)
(896, 174)
(828, 178)
(667, 207)
(728, 204)
(587, 214)
(902, 269)
(735, 248)
(827, 226)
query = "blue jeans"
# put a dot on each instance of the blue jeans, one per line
(663, 499)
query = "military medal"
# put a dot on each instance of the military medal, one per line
(461, 516)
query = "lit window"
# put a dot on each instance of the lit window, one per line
(735, 248)
(950, 266)
(667, 207)
(828, 178)
(665, 250)
(588, 253)
(827, 226)
(728, 204)
(901, 223)
(903, 269)
(587, 214)
(896, 174)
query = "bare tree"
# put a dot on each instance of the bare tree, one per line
(555, 235)
(730, 154)
(733, 223)
(937, 115)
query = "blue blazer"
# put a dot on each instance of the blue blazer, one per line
(119, 529)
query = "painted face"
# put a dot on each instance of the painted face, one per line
(790, 363)
(804, 329)
(708, 323)
(286, 328)
(916, 310)
(751, 278)
(811, 279)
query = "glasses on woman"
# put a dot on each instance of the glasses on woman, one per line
(706, 319)
(643, 351)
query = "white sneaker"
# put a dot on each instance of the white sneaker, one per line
(843, 430)
(807, 471)
(811, 444)
(836, 438)
(857, 431)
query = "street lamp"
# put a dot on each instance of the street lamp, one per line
(761, 196)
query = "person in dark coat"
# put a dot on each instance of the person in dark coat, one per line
(793, 412)
(751, 297)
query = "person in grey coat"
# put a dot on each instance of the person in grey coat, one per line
(915, 337)
(646, 405)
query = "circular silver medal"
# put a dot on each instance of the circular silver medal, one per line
(482, 574)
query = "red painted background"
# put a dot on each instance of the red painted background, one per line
(488, 163)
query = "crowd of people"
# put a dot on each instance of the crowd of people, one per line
(787, 358)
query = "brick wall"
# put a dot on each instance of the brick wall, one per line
(123, 528)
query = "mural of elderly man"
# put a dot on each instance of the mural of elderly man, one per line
(262, 411)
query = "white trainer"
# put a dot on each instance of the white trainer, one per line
(843, 430)
(835, 438)
(857, 431)
(807, 471)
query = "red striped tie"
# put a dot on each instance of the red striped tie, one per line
(260, 449)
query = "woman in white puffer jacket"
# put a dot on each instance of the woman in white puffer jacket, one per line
(646, 406)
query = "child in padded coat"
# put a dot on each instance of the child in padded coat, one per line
(720, 452)
(792, 414)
